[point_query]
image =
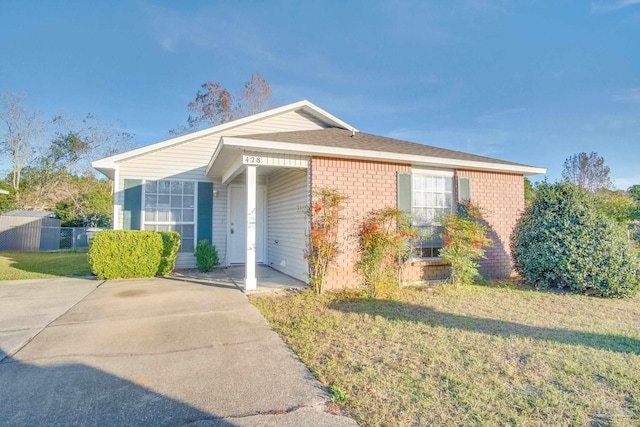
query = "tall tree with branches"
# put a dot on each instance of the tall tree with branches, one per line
(587, 171)
(215, 105)
(20, 132)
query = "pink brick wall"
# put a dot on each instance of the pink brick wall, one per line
(368, 186)
(501, 199)
(372, 185)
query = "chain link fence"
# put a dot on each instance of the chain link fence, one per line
(33, 238)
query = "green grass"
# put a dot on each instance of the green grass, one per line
(476, 355)
(37, 265)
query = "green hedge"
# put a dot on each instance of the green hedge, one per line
(121, 254)
(171, 245)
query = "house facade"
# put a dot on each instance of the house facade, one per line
(243, 185)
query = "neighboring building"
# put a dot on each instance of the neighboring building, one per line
(29, 231)
(242, 184)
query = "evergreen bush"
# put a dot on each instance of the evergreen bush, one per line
(206, 256)
(121, 254)
(170, 247)
(564, 241)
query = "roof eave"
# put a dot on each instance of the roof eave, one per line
(108, 169)
(417, 160)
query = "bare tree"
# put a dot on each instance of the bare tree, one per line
(76, 142)
(587, 171)
(215, 105)
(20, 131)
(52, 175)
(254, 98)
(212, 106)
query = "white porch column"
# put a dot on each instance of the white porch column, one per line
(250, 282)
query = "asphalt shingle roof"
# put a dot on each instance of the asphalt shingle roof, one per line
(341, 138)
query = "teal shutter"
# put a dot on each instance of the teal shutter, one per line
(404, 192)
(132, 204)
(205, 211)
(464, 194)
(464, 189)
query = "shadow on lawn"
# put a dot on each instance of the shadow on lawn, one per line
(394, 310)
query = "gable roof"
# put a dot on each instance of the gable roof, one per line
(108, 164)
(335, 142)
(341, 138)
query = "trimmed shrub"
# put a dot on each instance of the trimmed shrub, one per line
(563, 241)
(122, 254)
(206, 256)
(170, 247)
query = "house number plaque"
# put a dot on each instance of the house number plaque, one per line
(253, 160)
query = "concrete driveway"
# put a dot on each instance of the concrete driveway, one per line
(148, 352)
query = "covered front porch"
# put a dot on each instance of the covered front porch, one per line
(266, 226)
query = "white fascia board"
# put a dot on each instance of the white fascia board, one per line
(326, 116)
(233, 171)
(214, 156)
(109, 162)
(109, 172)
(310, 150)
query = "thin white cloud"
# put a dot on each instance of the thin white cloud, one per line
(604, 7)
(632, 95)
(206, 29)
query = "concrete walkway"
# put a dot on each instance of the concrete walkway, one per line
(157, 352)
(27, 306)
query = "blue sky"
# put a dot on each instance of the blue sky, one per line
(530, 81)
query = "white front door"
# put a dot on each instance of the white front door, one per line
(238, 225)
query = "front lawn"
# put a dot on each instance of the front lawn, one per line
(37, 265)
(476, 355)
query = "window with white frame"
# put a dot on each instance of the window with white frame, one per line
(170, 206)
(432, 198)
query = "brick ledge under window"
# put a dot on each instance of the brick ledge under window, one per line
(433, 261)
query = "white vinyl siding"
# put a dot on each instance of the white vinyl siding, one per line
(286, 195)
(189, 160)
(219, 229)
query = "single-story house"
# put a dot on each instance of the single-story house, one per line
(242, 185)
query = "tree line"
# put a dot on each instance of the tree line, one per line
(589, 172)
(50, 163)
(50, 159)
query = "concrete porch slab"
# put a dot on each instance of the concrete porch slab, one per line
(268, 279)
